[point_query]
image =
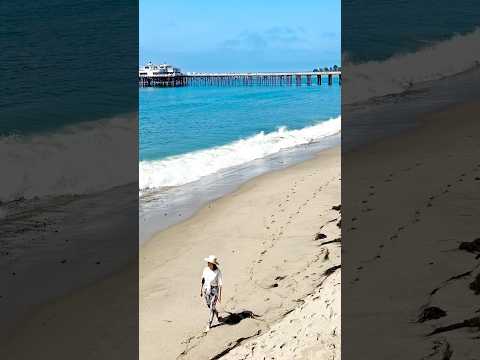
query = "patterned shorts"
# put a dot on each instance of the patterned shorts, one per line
(211, 297)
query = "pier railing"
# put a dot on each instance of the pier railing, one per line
(239, 79)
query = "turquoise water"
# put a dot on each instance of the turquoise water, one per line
(175, 121)
(191, 132)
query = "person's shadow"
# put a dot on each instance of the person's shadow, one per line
(233, 318)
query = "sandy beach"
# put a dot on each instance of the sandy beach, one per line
(413, 200)
(278, 241)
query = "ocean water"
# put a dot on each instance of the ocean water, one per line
(69, 97)
(59, 60)
(191, 132)
(408, 53)
(381, 29)
(199, 143)
(390, 46)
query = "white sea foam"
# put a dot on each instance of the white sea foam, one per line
(186, 168)
(74, 160)
(395, 75)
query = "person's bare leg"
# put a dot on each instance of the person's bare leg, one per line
(208, 300)
(212, 314)
(213, 310)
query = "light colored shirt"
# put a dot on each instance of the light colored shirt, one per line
(212, 278)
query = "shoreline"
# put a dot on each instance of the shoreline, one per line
(178, 204)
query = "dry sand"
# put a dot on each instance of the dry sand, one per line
(274, 267)
(412, 200)
(311, 331)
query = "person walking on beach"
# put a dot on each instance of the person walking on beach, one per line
(211, 287)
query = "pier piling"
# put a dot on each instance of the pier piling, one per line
(236, 79)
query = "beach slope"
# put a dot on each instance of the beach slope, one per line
(278, 240)
(411, 278)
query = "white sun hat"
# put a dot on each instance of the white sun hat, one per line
(212, 259)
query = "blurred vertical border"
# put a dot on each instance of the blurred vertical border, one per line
(410, 180)
(69, 180)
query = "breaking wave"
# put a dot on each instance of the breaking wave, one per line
(74, 160)
(186, 168)
(397, 74)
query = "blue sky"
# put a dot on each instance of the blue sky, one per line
(241, 35)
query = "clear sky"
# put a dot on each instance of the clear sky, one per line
(241, 35)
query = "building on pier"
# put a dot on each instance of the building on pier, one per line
(151, 70)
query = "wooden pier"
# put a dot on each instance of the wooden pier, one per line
(239, 79)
